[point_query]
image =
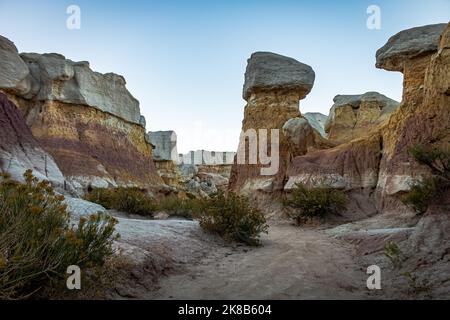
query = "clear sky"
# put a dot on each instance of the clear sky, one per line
(185, 60)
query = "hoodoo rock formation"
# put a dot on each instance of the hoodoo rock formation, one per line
(273, 87)
(87, 121)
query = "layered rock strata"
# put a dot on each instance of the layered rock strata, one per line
(19, 150)
(87, 121)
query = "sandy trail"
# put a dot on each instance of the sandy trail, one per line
(293, 263)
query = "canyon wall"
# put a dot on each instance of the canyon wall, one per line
(378, 162)
(87, 121)
(364, 147)
(422, 55)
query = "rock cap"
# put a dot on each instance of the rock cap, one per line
(409, 44)
(271, 71)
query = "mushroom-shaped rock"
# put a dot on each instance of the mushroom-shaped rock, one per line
(269, 71)
(409, 44)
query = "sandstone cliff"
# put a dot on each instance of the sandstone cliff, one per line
(87, 121)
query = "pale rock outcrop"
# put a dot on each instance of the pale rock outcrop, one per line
(302, 137)
(317, 121)
(204, 180)
(273, 86)
(214, 179)
(205, 172)
(81, 208)
(14, 74)
(142, 121)
(63, 80)
(353, 116)
(165, 156)
(165, 145)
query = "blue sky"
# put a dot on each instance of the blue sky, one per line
(185, 60)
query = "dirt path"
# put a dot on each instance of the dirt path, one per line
(294, 263)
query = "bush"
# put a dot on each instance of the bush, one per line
(422, 194)
(37, 242)
(233, 218)
(315, 202)
(429, 190)
(185, 208)
(395, 255)
(130, 200)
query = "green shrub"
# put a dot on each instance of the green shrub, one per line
(174, 206)
(233, 218)
(37, 242)
(422, 194)
(429, 190)
(315, 202)
(395, 255)
(130, 200)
